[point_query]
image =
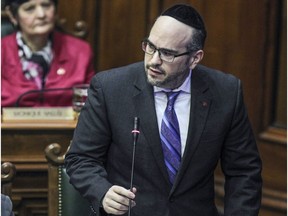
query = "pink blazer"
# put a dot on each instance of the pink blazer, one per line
(72, 64)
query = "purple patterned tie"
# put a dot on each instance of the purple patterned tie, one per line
(170, 137)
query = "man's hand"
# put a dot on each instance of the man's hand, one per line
(116, 200)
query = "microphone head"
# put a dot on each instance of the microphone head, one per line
(136, 131)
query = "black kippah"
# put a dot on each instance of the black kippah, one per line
(185, 14)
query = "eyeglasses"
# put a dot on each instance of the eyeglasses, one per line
(164, 54)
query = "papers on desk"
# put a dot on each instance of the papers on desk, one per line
(33, 114)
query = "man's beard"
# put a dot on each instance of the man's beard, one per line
(170, 81)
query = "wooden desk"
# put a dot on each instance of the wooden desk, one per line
(23, 144)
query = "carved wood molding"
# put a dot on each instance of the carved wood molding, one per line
(31, 202)
(8, 172)
(54, 154)
(274, 199)
(272, 72)
(271, 198)
(275, 135)
(80, 28)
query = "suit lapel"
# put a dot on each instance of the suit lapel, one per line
(200, 104)
(145, 109)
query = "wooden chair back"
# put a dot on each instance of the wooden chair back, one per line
(63, 199)
(8, 172)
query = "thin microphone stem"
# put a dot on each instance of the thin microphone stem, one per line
(135, 133)
(132, 174)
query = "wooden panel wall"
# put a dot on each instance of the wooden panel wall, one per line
(244, 38)
(23, 145)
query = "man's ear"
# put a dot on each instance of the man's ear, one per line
(196, 58)
(10, 15)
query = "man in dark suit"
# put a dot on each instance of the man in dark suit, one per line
(174, 165)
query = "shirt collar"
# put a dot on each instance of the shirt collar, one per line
(185, 87)
(26, 52)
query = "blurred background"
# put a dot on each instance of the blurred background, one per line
(247, 38)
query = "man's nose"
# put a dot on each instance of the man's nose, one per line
(156, 59)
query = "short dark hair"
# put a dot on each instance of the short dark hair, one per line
(189, 16)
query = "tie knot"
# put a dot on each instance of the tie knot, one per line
(172, 96)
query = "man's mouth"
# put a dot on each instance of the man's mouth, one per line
(155, 72)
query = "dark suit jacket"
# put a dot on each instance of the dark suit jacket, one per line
(101, 152)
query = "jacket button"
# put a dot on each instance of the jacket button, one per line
(171, 199)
